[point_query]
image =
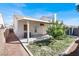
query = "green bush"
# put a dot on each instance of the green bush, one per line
(56, 29)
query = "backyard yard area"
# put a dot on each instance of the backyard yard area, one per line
(56, 44)
(50, 48)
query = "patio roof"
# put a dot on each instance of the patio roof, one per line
(31, 19)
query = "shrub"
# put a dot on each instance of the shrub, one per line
(43, 42)
(56, 29)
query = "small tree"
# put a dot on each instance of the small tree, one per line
(56, 29)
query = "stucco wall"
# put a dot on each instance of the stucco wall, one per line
(40, 29)
(15, 25)
(1, 19)
(2, 42)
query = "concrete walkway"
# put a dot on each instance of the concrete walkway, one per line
(13, 46)
(15, 49)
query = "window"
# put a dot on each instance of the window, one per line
(35, 29)
(41, 24)
(25, 27)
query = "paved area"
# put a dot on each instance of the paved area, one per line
(34, 38)
(13, 46)
(2, 43)
(15, 49)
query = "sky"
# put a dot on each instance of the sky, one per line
(65, 11)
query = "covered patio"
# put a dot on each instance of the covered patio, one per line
(35, 38)
(29, 29)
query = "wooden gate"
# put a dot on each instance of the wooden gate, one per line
(10, 35)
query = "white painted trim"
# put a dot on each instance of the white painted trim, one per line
(30, 19)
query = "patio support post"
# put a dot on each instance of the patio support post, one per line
(27, 31)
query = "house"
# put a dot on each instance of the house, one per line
(2, 39)
(1, 22)
(26, 27)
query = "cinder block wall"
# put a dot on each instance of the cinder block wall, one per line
(76, 31)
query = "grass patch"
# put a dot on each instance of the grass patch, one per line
(50, 48)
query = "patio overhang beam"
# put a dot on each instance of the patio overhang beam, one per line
(36, 20)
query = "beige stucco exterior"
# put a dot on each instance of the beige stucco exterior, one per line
(19, 27)
(40, 29)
